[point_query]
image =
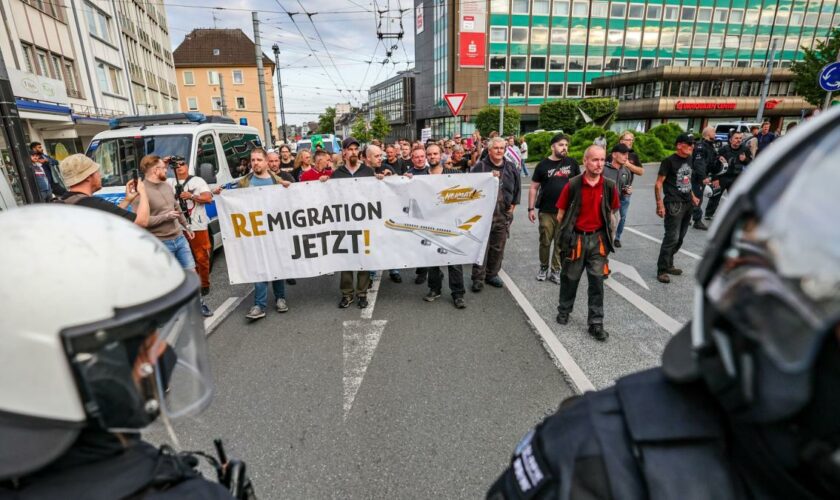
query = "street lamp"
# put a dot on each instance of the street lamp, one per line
(276, 49)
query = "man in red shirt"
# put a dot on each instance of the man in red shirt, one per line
(320, 169)
(586, 212)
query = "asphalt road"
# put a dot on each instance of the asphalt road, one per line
(411, 399)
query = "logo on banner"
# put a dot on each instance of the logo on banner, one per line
(441, 235)
(458, 194)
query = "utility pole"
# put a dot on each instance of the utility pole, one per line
(223, 104)
(276, 49)
(764, 88)
(261, 78)
(502, 112)
(16, 140)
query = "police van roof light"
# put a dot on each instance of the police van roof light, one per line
(167, 119)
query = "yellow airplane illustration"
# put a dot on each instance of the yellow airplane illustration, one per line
(430, 232)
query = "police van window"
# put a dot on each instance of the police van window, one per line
(207, 153)
(117, 157)
(105, 154)
(237, 146)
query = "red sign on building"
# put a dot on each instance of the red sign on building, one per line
(692, 106)
(472, 50)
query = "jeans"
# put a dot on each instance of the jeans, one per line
(549, 231)
(677, 220)
(261, 292)
(456, 280)
(622, 211)
(594, 259)
(180, 249)
(524, 168)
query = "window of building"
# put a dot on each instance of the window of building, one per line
(704, 15)
(192, 103)
(555, 90)
(189, 78)
(520, 7)
(539, 36)
(115, 77)
(767, 16)
(684, 38)
(654, 12)
(594, 63)
(213, 77)
(715, 41)
(727, 63)
(633, 37)
(557, 63)
(792, 42)
(578, 35)
(573, 90)
(216, 52)
(721, 15)
(518, 35)
(618, 10)
(560, 36)
(825, 17)
(651, 37)
(99, 24)
(647, 63)
(216, 103)
(240, 102)
(71, 79)
(811, 19)
(56, 67)
(731, 41)
(517, 90)
(542, 7)
(575, 64)
(762, 42)
(695, 62)
(680, 62)
(782, 17)
(102, 76)
(636, 11)
(537, 63)
(612, 64)
(498, 34)
(580, 9)
(688, 13)
(615, 37)
(600, 9)
(736, 16)
(42, 62)
(561, 8)
(663, 62)
(630, 64)
(28, 52)
(667, 38)
(796, 18)
(536, 90)
(672, 13)
(701, 39)
(499, 6)
(597, 36)
(494, 89)
(498, 62)
(518, 63)
(238, 78)
(747, 42)
(751, 18)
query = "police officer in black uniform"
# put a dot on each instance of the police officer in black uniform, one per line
(705, 161)
(117, 341)
(733, 158)
(746, 404)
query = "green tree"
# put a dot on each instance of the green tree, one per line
(538, 145)
(360, 129)
(561, 114)
(326, 121)
(806, 72)
(666, 133)
(487, 120)
(379, 127)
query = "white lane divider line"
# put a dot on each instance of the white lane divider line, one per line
(360, 341)
(649, 310)
(651, 238)
(367, 312)
(555, 348)
(222, 312)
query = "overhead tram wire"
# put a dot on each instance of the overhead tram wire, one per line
(309, 15)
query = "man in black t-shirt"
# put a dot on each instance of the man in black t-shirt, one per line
(82, 178)
(674, 201)
(392, 161)
(459, 160)
(287, 163)
(550, 177)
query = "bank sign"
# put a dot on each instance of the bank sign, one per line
(715, 105)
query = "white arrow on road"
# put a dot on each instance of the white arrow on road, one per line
(651, 311)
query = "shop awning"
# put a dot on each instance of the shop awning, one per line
(31, 110)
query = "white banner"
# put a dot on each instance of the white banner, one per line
(314, 228)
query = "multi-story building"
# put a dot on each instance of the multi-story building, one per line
(395, 99)
(538, 50)
(216, 63)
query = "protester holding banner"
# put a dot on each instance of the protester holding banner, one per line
(303, 163)
(509, 194)
(320, 169)
(419, 167)
(353, 168)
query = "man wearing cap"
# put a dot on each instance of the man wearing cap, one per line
(674, 201)
(617, 170)
(734, 158)
(550, 177)
(705, 162)
(585, 211)
(82, 177)
(351, 169)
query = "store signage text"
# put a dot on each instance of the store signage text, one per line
(703, 106)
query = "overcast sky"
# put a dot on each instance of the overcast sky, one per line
(314, 76)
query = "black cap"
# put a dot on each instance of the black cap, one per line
(685, 139)
(557, 138)
(346, 143)
(620, 148)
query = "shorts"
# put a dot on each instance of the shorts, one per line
(180, 249)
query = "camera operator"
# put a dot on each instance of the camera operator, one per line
(193, 194)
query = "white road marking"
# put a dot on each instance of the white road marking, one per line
(650, 310)
(651, 238)
(360, 341)
(367, 312)
(618, 267)
(222, 312)
(580, 382)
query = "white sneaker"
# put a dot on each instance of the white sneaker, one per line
(555, 277)
(281, 306)
(255, 312)
(543, 274)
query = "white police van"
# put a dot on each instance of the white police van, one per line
(213, 147)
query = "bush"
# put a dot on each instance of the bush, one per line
(487, 120)
(603, 110)
(561, 114)
(666, 133)
(649, 148)
(539, 145)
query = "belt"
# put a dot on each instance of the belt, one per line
(587, 233)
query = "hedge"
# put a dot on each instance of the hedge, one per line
(648, 146)
(563, 114)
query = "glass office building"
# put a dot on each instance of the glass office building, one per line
(545, 49)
